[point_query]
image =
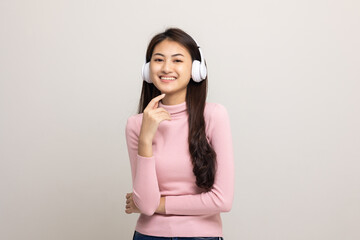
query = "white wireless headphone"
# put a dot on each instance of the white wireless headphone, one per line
(198, 69)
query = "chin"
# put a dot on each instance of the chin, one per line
(165, 89)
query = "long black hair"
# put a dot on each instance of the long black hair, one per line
(202, 154)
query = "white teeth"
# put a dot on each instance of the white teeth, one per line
(168, 78)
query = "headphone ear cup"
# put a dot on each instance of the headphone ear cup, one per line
(195, 71)
(146, 72)
(203, 70)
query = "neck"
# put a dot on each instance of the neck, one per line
(173, 99)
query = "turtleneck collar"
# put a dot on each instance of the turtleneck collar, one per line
(177, 109)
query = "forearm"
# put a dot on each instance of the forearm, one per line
(145, 151)
(200, 204)
(197, 204)
(145, 185)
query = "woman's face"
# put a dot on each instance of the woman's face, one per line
(170, 68)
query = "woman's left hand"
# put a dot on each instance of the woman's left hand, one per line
(130, 205)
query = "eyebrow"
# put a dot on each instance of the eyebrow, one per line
(178, 54)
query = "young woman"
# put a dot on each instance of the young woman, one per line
(180, 146)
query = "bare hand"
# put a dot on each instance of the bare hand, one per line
(130, 205)
(152, 117)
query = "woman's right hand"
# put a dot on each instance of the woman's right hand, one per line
(152, 117)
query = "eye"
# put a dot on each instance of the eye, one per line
(157, 59)
(178, 60)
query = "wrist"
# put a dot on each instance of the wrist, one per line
(145, 141)
(161, 207)
(145, 148)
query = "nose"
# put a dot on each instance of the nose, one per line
(166, 67)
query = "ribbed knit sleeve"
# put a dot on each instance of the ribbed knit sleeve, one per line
(220, 197)
(146, 192)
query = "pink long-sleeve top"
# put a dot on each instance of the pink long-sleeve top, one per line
(190, 211)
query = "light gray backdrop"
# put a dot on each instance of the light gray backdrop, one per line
(287, 71)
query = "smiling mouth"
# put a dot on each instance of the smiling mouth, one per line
(168, 78)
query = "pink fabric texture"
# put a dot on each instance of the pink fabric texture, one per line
(190, 211)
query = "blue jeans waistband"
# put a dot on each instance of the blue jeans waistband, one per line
(140, 236)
